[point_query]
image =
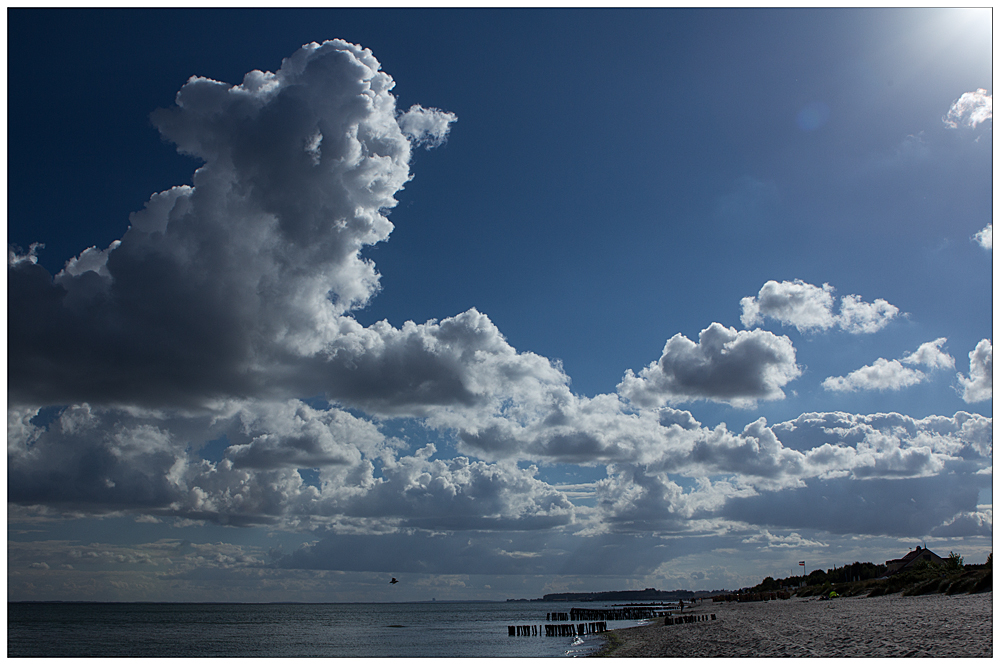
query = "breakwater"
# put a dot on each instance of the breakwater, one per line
(557, 630)
(687, 618)
(627, 613)
(630, 613)
(586, 620)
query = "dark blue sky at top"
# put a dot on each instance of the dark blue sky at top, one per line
(614, 177)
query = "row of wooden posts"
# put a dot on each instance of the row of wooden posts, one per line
(558, 630)
(687, 618)
(615, 614)
(573, 629)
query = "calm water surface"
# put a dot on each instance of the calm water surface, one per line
(416, 630)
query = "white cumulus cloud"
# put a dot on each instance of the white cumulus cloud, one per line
(807, 307)
(929, 354)
(725, 365)
(985, 237)
(427, 127)
(971, 109)
(857, 316)
(978, 386)
(893, 374)
(220, 288)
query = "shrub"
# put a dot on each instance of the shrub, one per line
(961, 585)
(923, 588)
(985, 583)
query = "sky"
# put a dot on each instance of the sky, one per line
(496, 302)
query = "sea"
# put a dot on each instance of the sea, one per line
(350, 630)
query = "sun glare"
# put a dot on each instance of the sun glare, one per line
(973, 22)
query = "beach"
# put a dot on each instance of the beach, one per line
(958, 626)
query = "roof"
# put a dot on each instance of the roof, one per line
(912, 556)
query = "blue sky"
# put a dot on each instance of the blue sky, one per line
(516, 301)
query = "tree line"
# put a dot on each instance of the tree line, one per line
(855, 572)
(949, 576)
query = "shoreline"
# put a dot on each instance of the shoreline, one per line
(957, 626)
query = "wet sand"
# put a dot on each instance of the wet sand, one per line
(959, 626)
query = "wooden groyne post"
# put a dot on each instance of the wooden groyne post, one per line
(524, 631)
(616, 614)
(558, 630)
(687, 618)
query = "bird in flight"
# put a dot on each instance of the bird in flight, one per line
(393, 581)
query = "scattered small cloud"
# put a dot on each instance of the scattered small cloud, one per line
(929, 354)
(892, 374)
(970, 110)
(807, 308)
(725, 365)
(985, 237)
(796, 303)
(427, 127)
(857, 316)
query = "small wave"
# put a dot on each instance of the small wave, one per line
(584, 649)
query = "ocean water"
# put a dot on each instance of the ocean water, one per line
(362, 630)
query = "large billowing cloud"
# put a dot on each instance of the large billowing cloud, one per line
(807, 307)
(220, 288)
(893, 374)
(929, 471)
(103, 460)
(725, 365)
(376, 507)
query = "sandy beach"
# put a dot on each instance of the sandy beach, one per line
(886, 626)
